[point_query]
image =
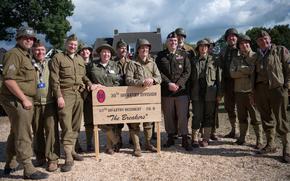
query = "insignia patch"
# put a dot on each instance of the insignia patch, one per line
(101, 96)
(179, 57)
(12, 67)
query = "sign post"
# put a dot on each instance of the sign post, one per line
(126, 104)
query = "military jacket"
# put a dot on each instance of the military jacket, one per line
(18, 66)
(67, 73)
(212, 79)
(273, 67)
(189, 51)
(242, 71)
(110, 75)
(44, 93)
(138, 71)
(174, 68)
(122, 64)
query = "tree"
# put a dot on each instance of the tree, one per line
(47, 17)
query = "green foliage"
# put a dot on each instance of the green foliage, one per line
(280, 35)
(47, 17)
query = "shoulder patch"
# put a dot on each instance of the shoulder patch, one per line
(11, 67)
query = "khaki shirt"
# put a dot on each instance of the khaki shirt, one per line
(242, 71)
(67, 73)
(273, 67)
(18, 66)
(138, 71)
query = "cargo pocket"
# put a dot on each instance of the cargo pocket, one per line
(29, 72)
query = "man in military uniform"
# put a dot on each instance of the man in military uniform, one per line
(271, 92)
(225, 59)
(16, 97)
(174, 67)
(142, 72)
(182, 45)
(68, 80)
(45, 115)
(122, 62)
(242, 71)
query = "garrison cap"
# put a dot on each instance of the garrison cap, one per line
(105, 46)
(262, 33)
(121, 43)
(25, 32)
(173, 34)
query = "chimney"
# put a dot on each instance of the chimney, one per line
(158, 30)
(116, 31)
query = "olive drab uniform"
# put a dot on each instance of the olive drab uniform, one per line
(227, 86)
(18, 66)
(68, 80)
(137, 72)
(45, 120)
(272, 82)
(242, 71)
(107, 75)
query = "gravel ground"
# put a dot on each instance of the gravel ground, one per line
(222, 160)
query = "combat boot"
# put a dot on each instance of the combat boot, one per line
(243, 132)
(148, 136)
(259, 136)
(185, 143)
(10, 166)
(286, 147)
(234, 132)
(206, 135)
(31, 173)
(170, 141)
(52, 166)
(194, 138)
(213, 135)
(78, 148)
(75, 155)
(69, 162)
(135, 138)
(271, 146)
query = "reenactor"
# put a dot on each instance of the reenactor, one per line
(142, 72)
(85, 51)
(204, 93)
(68, 81)
(105, 72)
(227, 84)
(16, 97)
(272, 83)
(122, 61)
(174, 67)
(182, 45)
(242, 71)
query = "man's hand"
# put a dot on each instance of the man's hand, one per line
(27, 104)
(148, 82)
(173, 87)
(95, 86)
(60, 102)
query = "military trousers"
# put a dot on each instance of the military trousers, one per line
(204, 114)
(19, 141)
(229, 99)
(175, 107)
(244, 107)
(273, 100)
(70, 116)
(46, 134)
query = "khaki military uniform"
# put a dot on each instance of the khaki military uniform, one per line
(18, 67)
(272, 82)
(204, 91)
(227, 86)
(45, 119)
(242, 71)
(137, 72)
(68, 80)
(107, 75)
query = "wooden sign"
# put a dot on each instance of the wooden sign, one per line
(126, 104)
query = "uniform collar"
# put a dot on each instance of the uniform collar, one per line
(24, 52)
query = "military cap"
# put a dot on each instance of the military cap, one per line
(141, 41)
(243, 37)
(202, 42)
(72, 37)
(173, 34)
(85, 46)
(38, 43)
(25, 32)
(105, 46)
(262, 33)
(210, 41)
(180, 31)
(121, 43)
(231, 31)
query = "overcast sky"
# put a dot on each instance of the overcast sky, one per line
(200, 18)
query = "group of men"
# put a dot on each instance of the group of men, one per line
(42, 93)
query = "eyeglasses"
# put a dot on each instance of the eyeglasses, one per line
(28, 38)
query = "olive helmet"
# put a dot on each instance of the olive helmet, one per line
(231, 31)
(202, 42)
(243, 37)
(141, 41)
(25, 32)
(180, 31)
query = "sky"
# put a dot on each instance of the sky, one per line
(200, 18)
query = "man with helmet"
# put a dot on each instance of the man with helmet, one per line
(16, 97)
(182, 45)
(227, 82)
(242, 71)
(142, 72)
(272, 83)
(174, 67)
